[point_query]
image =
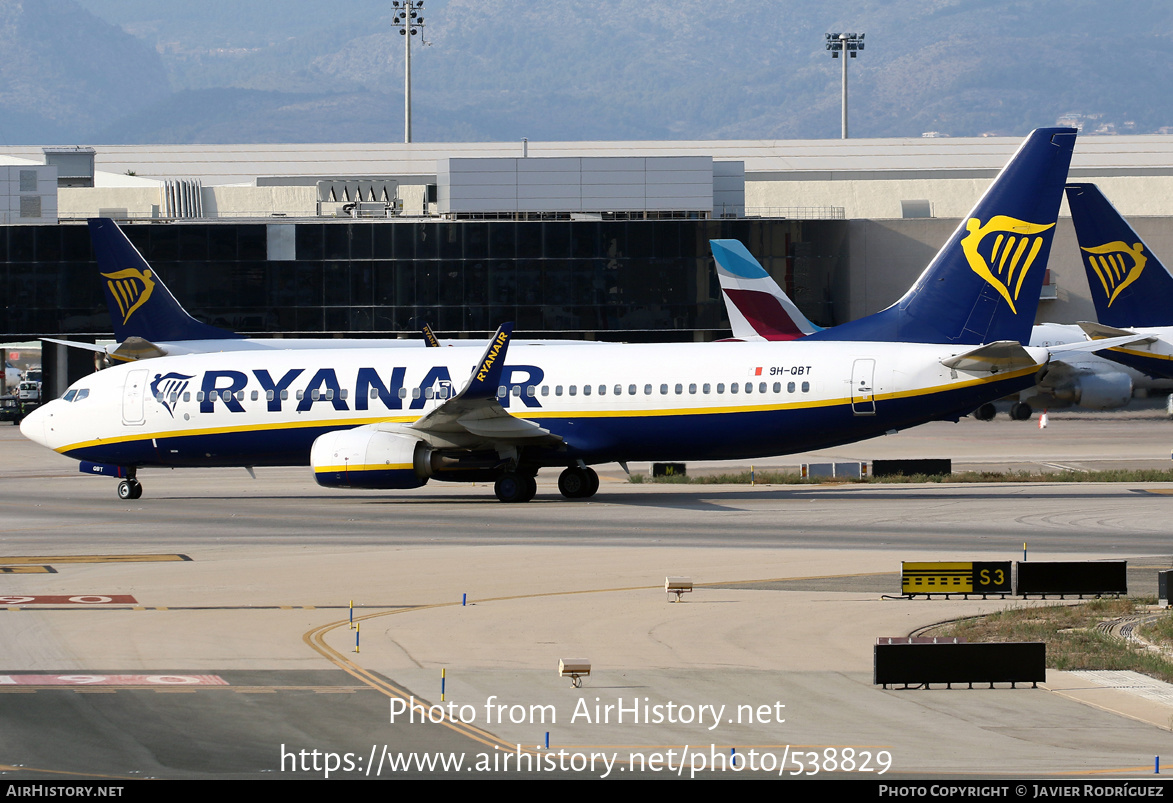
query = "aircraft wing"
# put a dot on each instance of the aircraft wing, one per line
(476, 410)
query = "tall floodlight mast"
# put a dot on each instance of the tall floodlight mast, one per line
(410, 22)
(849, 43)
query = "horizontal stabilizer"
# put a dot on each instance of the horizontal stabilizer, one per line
(73, 344)
(1005, 355)
(1099, 331)
(137, 348)
(1100, 344)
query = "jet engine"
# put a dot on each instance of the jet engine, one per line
(1093, 391)
(369, 458)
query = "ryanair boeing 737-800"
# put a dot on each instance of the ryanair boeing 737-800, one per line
(395, 418)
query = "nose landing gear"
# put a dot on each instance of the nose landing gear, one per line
(130, 488)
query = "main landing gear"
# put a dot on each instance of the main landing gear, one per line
(573, 483)
(130, 488)
(514, 487)
(578, 483)
(1020, 411)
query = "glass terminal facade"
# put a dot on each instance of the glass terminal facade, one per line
(614, 279)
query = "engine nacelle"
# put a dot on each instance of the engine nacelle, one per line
(369, 458)
(1104, 391)
(1094, 391)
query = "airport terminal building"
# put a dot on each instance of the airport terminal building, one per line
(603, 240)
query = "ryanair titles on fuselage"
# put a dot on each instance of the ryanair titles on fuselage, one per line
(388, 388)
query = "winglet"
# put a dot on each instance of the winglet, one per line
(140, 304)
(984, 284)
(1129, 284)
(756, 305)
(486, 376)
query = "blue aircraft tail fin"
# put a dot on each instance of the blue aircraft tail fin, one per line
(1129, 285)
(984, 284)
(140, 304)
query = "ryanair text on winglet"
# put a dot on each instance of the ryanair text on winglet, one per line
(493, 352)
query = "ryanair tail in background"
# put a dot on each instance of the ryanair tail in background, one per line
(757, 307)
(140, 304)
(1129, 284)
(984, 284)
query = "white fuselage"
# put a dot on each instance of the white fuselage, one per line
(612, 402)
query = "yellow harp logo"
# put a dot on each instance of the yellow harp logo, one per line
(131, 288)
(1003, 251)
(1116, 265)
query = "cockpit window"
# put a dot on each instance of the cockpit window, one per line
(69, 394)
(75, 395)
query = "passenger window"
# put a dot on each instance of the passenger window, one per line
(415, 393)
(663, 390)
(515, 391)
(285, 395)
(573, 390)
(557, 390)
(679, 388)
(402, 393)
(268, 395)
(734, 387)
(501, 392)
(806, 386)
(200, 396)
(631, 390)
(374, 393)
(175, 397)
(749, 387)
(529, 391)
(586, 390)
(602, 390)
(315, 394)
(692, 389)
(341, 395)
(720, 387)
(186, 395)
(761, 388)
(789, 387)
(706, 388)
(647, 390)
(619, 390)
(777, 387)
(429, 393)
(545, 390)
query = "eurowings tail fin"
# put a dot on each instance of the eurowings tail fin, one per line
(1129, 285)
(984, 284)
(140, 304)
(758, 308)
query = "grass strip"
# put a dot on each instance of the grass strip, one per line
(1070, 633)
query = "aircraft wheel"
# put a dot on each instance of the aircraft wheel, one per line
(578, 483)
(1020, 411)
(511, 487)
(594, 483)
(986, 412)
(573, 483)
(129, 489)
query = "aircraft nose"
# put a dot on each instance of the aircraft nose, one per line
(33, 426)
